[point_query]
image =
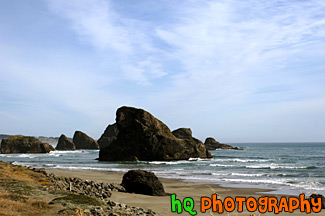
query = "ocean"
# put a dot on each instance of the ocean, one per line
(286, 168)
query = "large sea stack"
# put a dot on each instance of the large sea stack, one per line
(83, 141)
(65, 144)
(24, 144)
(143, 137)
(211, 144)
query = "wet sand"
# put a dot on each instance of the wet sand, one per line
(162, 205)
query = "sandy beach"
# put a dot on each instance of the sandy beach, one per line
(162, 205)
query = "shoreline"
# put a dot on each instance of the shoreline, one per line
(182, 189)
(265, 190)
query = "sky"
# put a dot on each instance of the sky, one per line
(238, 71)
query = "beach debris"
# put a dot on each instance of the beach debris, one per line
(142, 182)
(142, 136)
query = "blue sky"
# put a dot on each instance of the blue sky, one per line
(239, 71)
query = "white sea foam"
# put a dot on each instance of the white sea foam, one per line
(248, 174)
(168, 162)
(255, 181)
(258, 167)
(19, 155)
(70, 152)
(198, 159)
(240, 160)
(88, 168)
(276, 166)
(223, 165)
(221, 174)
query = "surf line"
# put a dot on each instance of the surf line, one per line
(262, 204)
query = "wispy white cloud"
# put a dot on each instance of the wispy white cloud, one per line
(95, 22)
(144, 69)
(99, 23)
(234, 41)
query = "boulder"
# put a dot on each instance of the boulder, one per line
(65, 144)
(211, 144)
(24, 144)
(142, 136)
(83, 141)
(142, 182)
(109, 135)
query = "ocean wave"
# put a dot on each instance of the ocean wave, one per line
(254, 181)
(223, 165)
(240, 160)
(279, 167)
(87, 168)
(221, 174)
(22, 163)
(285, 183)
(262, 174)
(249, 174)
(168, 162)
(72, 151)
(19, 155)
(198, 159)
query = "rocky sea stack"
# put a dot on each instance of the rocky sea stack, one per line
(24, 144)
(83, 141)
(65, 144)
(143, 137)
(211, 144)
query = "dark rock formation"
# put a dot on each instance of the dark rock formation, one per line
(46, 148)
(83, 141)
(65, 144)
(142, 182)
(142, 136)
(183, 133)
(186, 133)
(109, 135)
(211, 144)
(24, 144)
